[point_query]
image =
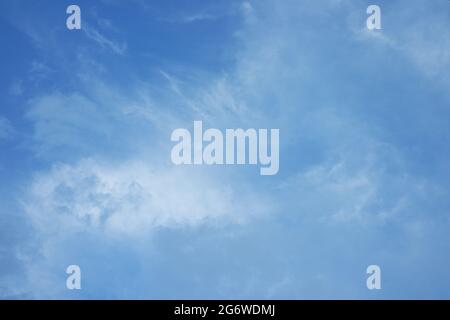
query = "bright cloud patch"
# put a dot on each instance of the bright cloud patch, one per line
(132, 199)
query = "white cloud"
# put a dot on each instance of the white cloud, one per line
(349, 181)
(420, 32)
(427, 44)
(133, 198)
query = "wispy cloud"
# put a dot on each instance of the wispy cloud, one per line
(418, 32)
(119, 48)
(364, 161)
(6, 129)
(197, 17)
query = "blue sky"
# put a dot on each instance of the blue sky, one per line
(85, 170)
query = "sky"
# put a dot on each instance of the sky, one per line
(86, 176)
